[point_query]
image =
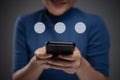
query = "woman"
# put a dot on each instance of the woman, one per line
(59, 21)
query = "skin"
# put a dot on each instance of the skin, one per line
(70, 64)
(74, 63)
(58, 7)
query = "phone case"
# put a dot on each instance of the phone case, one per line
(56, 48)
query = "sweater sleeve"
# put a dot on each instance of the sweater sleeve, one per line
(20, 49)
(98, 47)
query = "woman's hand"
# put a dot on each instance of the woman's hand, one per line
(42, 57)
(75, 63)
(35, 67)
(67, 63)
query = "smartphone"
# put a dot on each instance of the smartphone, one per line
(56, 48)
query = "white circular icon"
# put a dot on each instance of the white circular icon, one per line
(39, 27)
(80, 27)
(60, 27)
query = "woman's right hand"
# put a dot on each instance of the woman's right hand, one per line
(34, 68)
(41, 57)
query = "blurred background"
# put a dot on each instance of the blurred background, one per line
(11, 9)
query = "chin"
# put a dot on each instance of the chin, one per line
(57, 12)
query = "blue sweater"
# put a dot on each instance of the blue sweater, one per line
(86, 30)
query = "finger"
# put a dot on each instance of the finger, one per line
(67, 57)
(41, 61)
(45, 56)
(41, 53)
(61, 63)
(76, 52)
(65, 69)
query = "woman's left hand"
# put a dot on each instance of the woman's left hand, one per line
(66, 63)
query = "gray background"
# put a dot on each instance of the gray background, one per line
(11, 9)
